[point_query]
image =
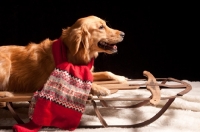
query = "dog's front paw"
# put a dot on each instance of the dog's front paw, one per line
(118, 78)
(99, 90)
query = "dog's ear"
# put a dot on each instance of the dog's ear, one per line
(78, 37)
(85, 37)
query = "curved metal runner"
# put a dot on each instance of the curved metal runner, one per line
(152, 86)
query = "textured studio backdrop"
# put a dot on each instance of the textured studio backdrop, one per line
(159, 35)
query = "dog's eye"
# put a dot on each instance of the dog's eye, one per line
(101, 27)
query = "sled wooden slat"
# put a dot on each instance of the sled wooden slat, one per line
(18, 97)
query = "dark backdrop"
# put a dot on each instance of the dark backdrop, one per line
(159, 36)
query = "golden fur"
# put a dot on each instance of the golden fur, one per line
(26, 68)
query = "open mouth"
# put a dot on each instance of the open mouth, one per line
(107, 46)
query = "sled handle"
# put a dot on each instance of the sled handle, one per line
(153, 87)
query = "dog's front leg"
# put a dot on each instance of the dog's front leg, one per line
(103, 76)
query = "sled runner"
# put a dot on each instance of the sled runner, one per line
(154, 85)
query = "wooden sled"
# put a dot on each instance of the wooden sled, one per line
(150, 84)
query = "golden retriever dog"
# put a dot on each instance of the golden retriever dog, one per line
(26, 68)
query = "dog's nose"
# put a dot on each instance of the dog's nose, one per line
(122, 34)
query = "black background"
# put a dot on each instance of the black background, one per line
(160, 36)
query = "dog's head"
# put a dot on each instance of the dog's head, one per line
(88, 36)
